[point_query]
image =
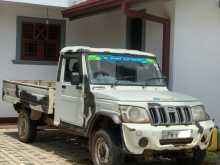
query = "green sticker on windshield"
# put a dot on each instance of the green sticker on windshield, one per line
(94, 57)
(151, 61)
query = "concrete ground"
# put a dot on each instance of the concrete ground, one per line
(50, 147)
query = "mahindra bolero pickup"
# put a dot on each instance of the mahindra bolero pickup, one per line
(117, 99)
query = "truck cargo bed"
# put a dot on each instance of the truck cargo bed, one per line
(38, 95)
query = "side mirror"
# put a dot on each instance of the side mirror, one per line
(75, 78)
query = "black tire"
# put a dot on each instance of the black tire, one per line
(114, 154)
(197, 159)
(26, 127)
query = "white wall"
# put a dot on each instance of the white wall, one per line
(55, 3)
(52, 3)
(197, 51)
(73, 2)
(8, 70)
(104, 30)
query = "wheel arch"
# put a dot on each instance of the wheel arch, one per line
(34, 115)
(105, 120)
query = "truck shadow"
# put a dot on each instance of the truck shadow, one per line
(70, 148)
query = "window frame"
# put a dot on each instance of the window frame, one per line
(67, 63)
(20, 20)
(62, 66)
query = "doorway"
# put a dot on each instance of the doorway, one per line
(138, 39)
(136, 34)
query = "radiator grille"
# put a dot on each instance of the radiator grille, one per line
(161, 115)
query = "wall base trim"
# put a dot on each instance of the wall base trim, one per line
(8, 120)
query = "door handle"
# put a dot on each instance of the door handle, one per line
(64, 86)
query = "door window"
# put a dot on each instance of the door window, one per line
(72, 67)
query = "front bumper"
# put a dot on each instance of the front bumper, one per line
(133, 133)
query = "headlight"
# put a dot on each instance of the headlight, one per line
(199, 113)
(132, 114)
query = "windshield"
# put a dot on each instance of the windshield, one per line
(112, 69)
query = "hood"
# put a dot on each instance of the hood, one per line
(142, 96)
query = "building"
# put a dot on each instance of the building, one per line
(184, 34)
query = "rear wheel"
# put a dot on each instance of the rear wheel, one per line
(106, 149)
(26, 127)
(197, 159)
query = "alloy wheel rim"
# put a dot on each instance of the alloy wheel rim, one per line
(101, 151)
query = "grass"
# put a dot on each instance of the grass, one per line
(212, 158)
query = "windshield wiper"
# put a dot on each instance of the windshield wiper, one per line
(155, 78)
(115, 83)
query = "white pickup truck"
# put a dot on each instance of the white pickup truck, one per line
(119, 100)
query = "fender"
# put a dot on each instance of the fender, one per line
(114, 116)
(110, 115)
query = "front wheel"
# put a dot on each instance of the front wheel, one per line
(197, 159)
(26, 127)
(106, 149)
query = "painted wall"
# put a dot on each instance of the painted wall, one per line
(11, 71)
(73, 2)
(104, 30)
(197, 52)
(59, 3)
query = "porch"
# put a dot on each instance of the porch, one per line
(132, 24)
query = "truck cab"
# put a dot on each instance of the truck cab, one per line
(119, 100)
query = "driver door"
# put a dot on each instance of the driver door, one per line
(70, 96)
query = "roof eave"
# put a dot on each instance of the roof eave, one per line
(92, 7)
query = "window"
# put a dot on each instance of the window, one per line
(72, 66)
(38, 41)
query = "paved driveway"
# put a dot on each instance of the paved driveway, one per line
(50, 148)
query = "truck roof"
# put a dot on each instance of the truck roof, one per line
(85, 49)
